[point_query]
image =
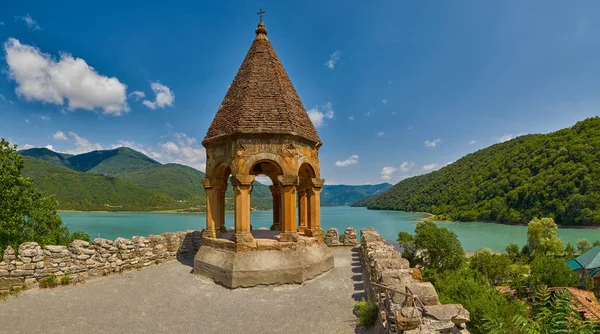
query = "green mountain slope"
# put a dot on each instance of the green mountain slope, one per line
(333, 195)
(86, 191)
(366, 201)
(551, 175)
(55, 158)
(111, 162)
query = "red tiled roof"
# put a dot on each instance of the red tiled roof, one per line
(261, 98)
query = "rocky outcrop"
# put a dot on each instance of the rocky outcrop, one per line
(406, 304)
(82, 260)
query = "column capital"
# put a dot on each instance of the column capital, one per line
(242, 180)
(209, 183)
(275, 189)
(317, 183)
(287, 180)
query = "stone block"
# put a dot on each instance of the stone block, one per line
(332, 238)
(425, 291)
(267, 244)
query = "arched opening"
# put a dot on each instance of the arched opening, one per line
(266, 191)
(305, 174)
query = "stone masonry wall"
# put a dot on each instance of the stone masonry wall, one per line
(82, 260)
(332, 237)
(405, 313)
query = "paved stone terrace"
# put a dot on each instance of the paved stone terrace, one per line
(169, 299)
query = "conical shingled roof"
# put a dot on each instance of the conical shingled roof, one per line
(261, 98)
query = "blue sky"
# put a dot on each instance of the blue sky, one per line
(396, 88)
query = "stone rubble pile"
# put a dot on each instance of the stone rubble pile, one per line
(332, 238)
(383, 265)
(82, 259)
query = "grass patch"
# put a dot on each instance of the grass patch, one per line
(66, 280)
(49, 282)
(13, 291)
(367, 312)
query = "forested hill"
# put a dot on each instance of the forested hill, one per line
(545, 175)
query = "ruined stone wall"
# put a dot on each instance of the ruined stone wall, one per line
(401, 313)
(82, 260)
(332, 237)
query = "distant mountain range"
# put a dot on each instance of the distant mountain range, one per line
(123, 179)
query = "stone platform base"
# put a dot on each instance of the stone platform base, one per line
(262, 262)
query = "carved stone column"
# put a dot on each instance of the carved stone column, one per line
(302, 210)
(276, 193)
(288, 207)
(221, 199)
(211, 209)
(242, 186)
(314, 208)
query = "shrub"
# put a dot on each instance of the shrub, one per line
(66, 280)
(583, 245)
(367, 312)
(513, 251)
(49, 282)
(441, 248)
(542, 237)
(496, 268)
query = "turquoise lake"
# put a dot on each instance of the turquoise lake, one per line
(388, 223)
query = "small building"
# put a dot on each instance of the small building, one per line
(587, 263)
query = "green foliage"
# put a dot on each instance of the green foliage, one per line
(583, 245)
(569, 250)
(553, 175)
(24, 214)
(544, 271)
(495, 267)
(513, 251)
(48, 282)
(367, 312)
(440, 247)
(66, 280)
(469, 288)
(542, 237)
(556, 314)
(404, 237)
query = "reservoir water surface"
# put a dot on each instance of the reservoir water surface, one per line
(473, 235)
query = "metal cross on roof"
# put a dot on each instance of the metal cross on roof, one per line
(260, 13)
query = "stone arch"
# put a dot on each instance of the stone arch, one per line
(307, 170)
(269, 168)
(276, 159)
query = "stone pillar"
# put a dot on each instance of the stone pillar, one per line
(211, 208)
(302, 210)
(242, 186)
(276, 193)
(221, 199)
(288, 207)
(314, 208)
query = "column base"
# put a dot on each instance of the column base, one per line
(209, 233)
(275, 227)
(288, 237)
(301, 228)
(316, 232)
(223, 229)
(242, 237)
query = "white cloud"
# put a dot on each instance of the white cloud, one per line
(406, 166)
(29, 21)
(82, 145)
(334, 58)
(50, 147)
(59, 135)
(504, 138)
(432, 143)
(170, 147)
(137, 95)
(41, 77)
(164, 96)
(45, 118)
(430, 167)
(393, 113)
(388, 172)
(351, 118)
(350, 161)
(318, 116)
(380, 134)
(1, 23)
(27, 120)
(472, 142)
(2, 97)
(384, 102)
(168, 125)
(27, 146)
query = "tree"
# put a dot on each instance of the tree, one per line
(542, 237)
(583, 245)
(513, 251)
(552, 272)
(438, 247)
(569, 250)
(496, 268)
(24, 214)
